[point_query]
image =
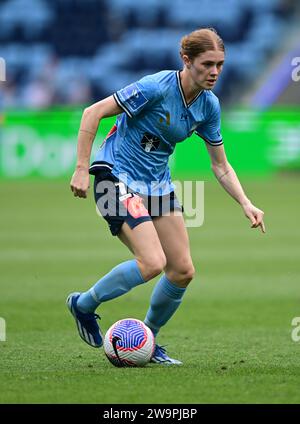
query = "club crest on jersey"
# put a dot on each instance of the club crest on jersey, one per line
(133, 96)
(168, 118)
(150, 142)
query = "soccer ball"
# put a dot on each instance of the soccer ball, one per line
(129, 343)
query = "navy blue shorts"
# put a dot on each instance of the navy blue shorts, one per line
(117, 203)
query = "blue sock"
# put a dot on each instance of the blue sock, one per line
(166, 298)
(118, 281)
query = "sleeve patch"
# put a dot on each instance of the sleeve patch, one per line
(133, 97)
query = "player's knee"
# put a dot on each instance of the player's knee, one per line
(189, 273)
(182, 275)
(153, 265)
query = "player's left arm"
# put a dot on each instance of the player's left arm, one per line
(227, 177)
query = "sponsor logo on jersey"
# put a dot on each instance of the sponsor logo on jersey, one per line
(150, 142)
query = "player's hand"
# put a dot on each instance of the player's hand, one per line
(255, 215)
(80, 182)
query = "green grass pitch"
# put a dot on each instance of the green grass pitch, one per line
(233, 330)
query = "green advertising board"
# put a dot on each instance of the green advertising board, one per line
(43, 143)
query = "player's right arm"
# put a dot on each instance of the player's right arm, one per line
(90, 120)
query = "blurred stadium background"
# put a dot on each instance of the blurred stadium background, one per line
(70, 53)
(62, 55)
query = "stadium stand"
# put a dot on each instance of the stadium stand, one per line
(78, 51)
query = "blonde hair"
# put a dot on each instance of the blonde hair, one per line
(200, 41)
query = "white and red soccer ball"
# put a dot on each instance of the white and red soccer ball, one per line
(129, 343)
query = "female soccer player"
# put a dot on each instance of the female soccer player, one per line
(153, 115)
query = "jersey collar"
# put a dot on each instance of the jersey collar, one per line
(187, 105)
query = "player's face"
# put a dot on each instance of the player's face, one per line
(206, 68)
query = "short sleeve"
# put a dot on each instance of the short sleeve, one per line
(137, 96)
(210, 130)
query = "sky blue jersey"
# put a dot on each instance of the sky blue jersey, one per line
(156, 117)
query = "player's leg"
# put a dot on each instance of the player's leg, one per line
(174, 239)
(168, 292)
(125, 214)
(144, 243)
(141, 236)
(149, 261)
